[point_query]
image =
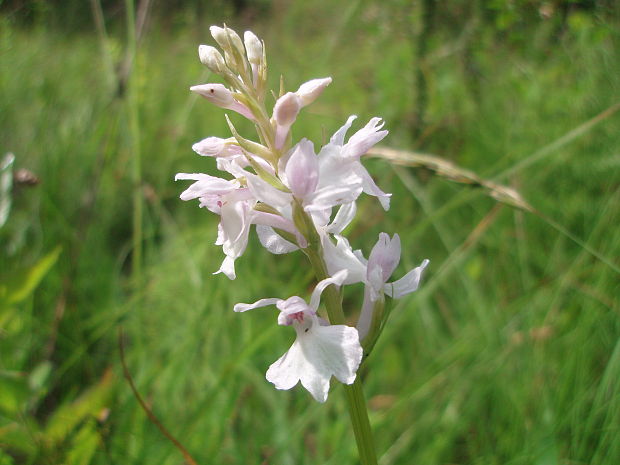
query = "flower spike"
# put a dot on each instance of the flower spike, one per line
(297, 199)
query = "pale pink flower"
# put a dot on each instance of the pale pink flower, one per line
(374, 272)
(301, 171)
(235, 205)
(319, 352)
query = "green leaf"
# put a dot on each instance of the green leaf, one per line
(23, 282)
(84, 445)
(68, 416)
(5, 459)
(14, 392)
(22, 437)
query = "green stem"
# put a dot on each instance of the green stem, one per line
(361, 425)
(354, 394)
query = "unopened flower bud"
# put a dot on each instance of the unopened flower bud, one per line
(285, 113)
(286, 109)
(309, 91)
(225, 37)
(219, 34)
(212, 59)
(253, 47)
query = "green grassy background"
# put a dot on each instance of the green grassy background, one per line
(508, 354)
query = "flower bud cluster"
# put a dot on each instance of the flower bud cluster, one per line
(297, 199)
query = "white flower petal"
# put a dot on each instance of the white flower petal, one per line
(337, 279)
(228, 268)
(286, 109)
(232, 163)
(343, 218)
(241, 307)
(365, 318)
(316, 355)
(359, 143)
(336, 171)
(342, 257)
(330, 196)
(285, 372)
(407, 283)
(212, 58)
(220, 235)
(360, 256)
(320, 218)
(209, 147)
(273, 242)
(338, 137)
(294, 304)
(302, 169)
(370, 187)
(279, 222)
(205, 185)
(385, 256)
(266, 193)
(217, 147)
(235, 227)
(375, 283)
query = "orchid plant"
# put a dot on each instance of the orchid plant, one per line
(298, 199)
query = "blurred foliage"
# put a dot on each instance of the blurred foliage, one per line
(512, 17)
(508, 354)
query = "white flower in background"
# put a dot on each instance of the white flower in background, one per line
(320, 351)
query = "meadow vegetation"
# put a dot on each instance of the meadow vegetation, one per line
(508, 354)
